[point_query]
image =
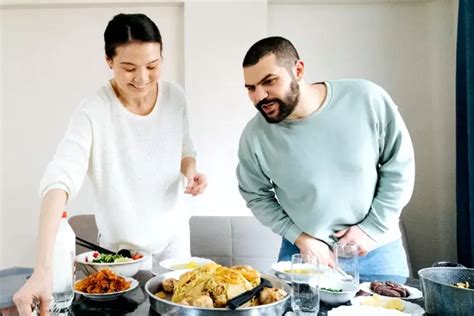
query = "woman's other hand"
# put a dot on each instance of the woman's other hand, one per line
(196, 185)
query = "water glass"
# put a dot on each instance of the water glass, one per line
(305, 284)
(347, 262)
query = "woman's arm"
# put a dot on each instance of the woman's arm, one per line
(38, 288)
(196, 182)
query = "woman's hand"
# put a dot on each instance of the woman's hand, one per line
(196, 185)
(37, 289)
(315, 247)
(359, 237)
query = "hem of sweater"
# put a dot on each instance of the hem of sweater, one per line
(387, 237)
(56, 186)
(372, 229)
(292, 233)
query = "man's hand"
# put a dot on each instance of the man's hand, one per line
(359, 237)
(315, 247)
(196, 184)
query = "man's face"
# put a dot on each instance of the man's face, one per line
(272, 89)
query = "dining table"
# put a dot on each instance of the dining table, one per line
(136, 302)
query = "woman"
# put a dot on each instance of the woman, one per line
(132, 140)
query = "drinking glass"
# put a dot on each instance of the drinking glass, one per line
(305, 284)
(347, 261)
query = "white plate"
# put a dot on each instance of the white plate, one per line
(282, 270)
(184, 263)
(109, 296)
(414, 293)
(363, 310)
(410, 308)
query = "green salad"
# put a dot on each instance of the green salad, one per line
(105, 258)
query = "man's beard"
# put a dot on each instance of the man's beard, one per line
(285, 106)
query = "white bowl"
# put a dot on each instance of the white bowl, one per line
(283, 270)
(127, 269)
(185, 263)
(349, 290)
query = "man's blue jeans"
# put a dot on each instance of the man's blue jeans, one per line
(389, 259)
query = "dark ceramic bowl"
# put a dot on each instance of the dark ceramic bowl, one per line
(447, 264)
(441, 297)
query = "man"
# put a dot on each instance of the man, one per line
(324, 162)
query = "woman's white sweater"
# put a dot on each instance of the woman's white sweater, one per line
(133, 162)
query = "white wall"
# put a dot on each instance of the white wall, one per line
(405, 46)
(215, 42)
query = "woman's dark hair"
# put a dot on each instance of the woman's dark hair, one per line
(125, 28)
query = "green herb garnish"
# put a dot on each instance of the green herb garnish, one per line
(331, 290)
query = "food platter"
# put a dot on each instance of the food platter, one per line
(109, 296)
(409, 308)
(165, 307)
(414, 293)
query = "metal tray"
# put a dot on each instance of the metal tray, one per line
(165, 307)
(10, 281)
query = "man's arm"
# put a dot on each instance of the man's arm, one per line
(257, 190)
(396, 176)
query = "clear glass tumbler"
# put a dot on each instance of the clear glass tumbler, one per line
(305, 284)
(347, 262)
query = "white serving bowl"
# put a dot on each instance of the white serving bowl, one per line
(127, 269)
(349, 290)
(185, 263)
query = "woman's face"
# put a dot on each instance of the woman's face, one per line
(136, 67)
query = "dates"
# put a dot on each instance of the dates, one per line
(389, 288)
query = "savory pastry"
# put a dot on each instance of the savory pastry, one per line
(213, 285)
(203, 301)
(389, 288)
(252, 275)
(161, 294)
(169, 284)
(270, 295)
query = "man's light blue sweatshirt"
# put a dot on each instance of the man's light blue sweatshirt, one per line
(350, 162)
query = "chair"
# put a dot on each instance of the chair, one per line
(233, 240)
(84, 226)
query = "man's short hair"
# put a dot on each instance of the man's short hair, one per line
(285, 53)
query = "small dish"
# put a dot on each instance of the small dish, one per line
(363, 310)
(408, 307)
(347, 291)
(188, 263)
(283, 270)
(127, 269)
(109, 296)
(414, 293)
